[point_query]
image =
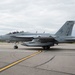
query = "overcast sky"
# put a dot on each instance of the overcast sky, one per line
(35, 15)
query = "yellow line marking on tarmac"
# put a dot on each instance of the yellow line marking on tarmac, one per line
(18, 61)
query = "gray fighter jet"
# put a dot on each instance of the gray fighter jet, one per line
(45, 40)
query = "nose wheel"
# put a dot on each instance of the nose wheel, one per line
(15, 47)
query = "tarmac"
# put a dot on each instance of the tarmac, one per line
(59, 60)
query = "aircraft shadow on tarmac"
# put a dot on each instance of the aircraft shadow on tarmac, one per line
(51, 49)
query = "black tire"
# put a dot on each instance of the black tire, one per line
(15, 47)
(46, 47)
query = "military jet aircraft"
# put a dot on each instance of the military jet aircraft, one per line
(45, 40)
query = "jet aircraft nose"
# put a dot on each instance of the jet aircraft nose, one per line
(2, 37)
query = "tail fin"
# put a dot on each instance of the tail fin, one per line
(66, 29)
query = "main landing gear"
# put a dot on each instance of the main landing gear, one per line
(46, 47)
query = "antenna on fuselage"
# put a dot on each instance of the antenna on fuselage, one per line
(44, 32)
(36, 32)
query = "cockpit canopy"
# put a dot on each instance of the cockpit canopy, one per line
(15, 32)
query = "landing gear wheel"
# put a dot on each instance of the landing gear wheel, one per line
(15, 47)
(46, 47)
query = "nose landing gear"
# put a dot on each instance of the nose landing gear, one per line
(15, 47)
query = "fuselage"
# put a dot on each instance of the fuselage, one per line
(26, 36)
(22, 36)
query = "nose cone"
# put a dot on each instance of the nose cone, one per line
(2, 37)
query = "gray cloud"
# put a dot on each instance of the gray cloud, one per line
(35, 15)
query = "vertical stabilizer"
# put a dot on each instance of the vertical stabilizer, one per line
(66, 29)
